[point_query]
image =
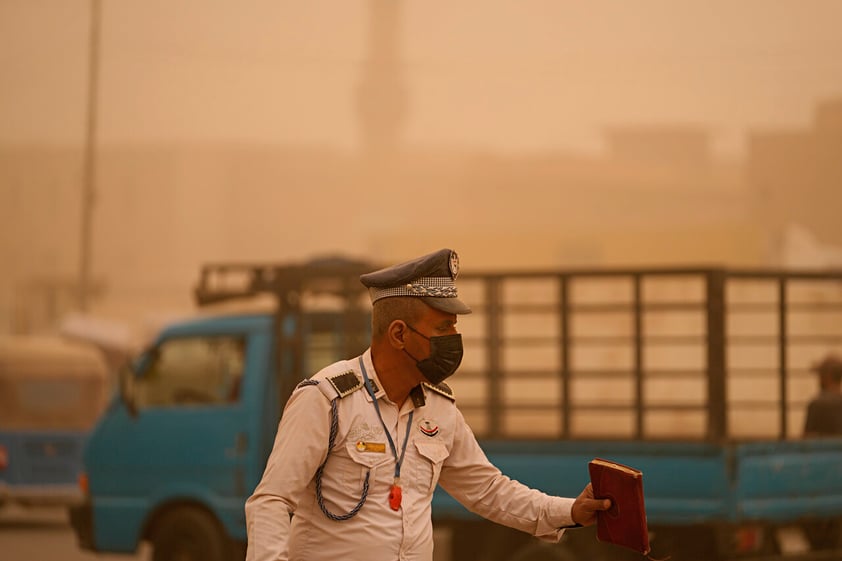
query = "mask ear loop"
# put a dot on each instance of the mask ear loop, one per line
(416, 331)
(415, 360)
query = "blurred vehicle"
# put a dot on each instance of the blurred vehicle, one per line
(51, 393)
(686, 374)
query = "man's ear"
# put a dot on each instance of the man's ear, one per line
(396, 333)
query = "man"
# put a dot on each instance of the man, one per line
(363, 443)
(824, 413)
(824, 419)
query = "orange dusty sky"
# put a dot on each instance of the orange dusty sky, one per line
(508, 76)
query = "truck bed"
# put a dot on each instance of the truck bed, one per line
(686, 483)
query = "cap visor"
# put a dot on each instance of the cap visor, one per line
(449, 305)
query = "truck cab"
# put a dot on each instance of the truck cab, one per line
(184, 442)
(51, 392)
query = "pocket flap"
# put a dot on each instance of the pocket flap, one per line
(436, 452)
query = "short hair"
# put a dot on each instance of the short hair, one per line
(830, 368)
(387, 310)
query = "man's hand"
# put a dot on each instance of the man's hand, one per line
(585, 507)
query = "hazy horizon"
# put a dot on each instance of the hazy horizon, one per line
(278, 130)
(511, 77)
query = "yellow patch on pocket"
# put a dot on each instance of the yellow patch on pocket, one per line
(376, 447)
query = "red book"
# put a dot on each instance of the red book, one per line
(624, 524)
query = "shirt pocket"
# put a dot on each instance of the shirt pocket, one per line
(358, 462)
(432, 456)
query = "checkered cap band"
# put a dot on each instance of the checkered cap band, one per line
(435, 287)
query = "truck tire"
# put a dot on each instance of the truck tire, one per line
(189, 534)
(823, 534)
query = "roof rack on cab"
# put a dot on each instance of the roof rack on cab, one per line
(336, 275)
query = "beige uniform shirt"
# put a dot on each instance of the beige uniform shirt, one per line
(441, 450)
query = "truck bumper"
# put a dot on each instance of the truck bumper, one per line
(40, 495)
(82, 520)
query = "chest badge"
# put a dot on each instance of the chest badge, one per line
(428, 428)
(376, 447)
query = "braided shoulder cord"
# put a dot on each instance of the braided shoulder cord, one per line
(307, 382)
(334, 427)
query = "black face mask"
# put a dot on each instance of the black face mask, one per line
(445, 356)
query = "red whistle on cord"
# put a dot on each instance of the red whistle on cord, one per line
(395, 496)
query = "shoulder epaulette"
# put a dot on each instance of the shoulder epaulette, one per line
(442, 389)
(345, 384)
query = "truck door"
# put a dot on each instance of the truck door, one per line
(189, 396)
(187, 438)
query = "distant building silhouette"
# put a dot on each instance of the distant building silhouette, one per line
(681, 146)
(381, 95)
(797, 175)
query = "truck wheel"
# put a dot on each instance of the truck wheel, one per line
(189, 534)
(823, 534)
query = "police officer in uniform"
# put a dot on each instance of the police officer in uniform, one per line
(363, 443)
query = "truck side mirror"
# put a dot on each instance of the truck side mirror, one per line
(127, 375)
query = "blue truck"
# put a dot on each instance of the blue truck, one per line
(697, 377)
(51, 392)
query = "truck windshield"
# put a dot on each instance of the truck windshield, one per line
(50, 404)
(192, 371)
(50, 384)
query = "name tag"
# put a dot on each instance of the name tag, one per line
(376, 447)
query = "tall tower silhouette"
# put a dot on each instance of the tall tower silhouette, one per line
(381, 95)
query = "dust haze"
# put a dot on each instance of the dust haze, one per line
(522, 134)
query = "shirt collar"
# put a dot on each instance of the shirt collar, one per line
(379, 392)
(417, 395)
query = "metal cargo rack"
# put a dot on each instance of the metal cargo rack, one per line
(755, 327)
(299, 289)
